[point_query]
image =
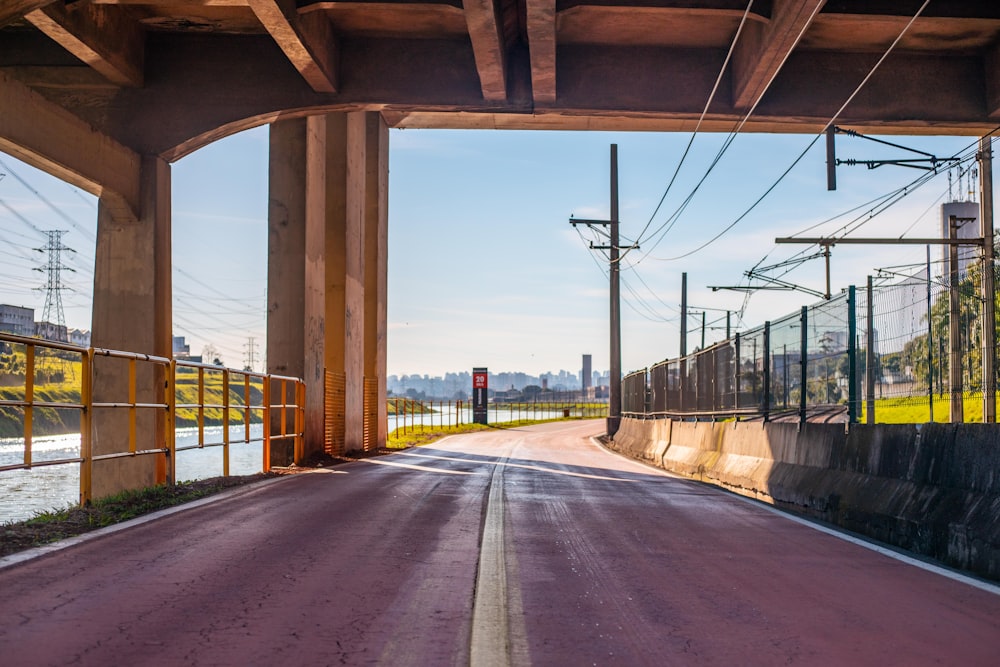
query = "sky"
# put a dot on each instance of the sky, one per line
(485, 268)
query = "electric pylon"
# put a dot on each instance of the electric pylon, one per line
(250, 356)
(52, 313)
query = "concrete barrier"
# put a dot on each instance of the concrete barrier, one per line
(932, 489)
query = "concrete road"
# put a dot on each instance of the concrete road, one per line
(528, 546)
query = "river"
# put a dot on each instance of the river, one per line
(24, 493)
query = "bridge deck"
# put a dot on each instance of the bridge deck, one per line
(582, 558)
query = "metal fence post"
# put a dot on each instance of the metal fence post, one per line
(852, 354)
(870, 369)
(766, 368)
(803, 389)
(736, 374)
(86, 426)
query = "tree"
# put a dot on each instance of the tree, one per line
(211, 355)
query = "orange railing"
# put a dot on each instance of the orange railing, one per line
(275, 400)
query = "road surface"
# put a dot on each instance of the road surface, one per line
(526, 547)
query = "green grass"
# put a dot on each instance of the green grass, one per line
(915, 409)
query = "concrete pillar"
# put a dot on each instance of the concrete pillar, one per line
(296, 267)
(376, 258)
(132, 312)
(345, 313)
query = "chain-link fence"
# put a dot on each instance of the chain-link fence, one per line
(901, 349)
(926, 347)
(799, 364)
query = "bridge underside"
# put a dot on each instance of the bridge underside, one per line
(105, 94)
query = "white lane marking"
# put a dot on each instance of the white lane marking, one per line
(833, 532)
(489, 643)
(871, 546)
(421, 468)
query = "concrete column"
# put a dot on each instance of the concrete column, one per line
(376, 258)
(132, 312)
(345, 261)
(296, 267)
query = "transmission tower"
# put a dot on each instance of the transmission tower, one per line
(250, 355)
(53, 311)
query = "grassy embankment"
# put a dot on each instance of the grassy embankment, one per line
(60, 383)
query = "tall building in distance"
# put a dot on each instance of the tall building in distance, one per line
(967, 214)
(586, 376)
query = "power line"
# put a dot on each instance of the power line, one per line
(697, 128)
(811, 143)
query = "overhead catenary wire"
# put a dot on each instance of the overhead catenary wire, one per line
(795, 162)
(738, 127)
(877, 206)
(697, 128)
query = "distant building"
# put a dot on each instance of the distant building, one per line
(17, 320)
(586, 381)
(181, 348)
(50, 331)
(79, 337)
(967, 223)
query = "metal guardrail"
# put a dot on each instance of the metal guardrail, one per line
(280, 406)
(409, 415)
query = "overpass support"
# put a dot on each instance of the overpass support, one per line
(132, 311)
(357, 224)
(296, 267)
(327, 269)
(376, 264)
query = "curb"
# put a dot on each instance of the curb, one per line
(22, 557)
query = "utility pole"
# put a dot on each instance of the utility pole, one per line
(954, 329)
(684, 314)
(52, 313)
(985, 157)
(615, 393)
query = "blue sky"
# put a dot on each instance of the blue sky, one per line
(484, 267)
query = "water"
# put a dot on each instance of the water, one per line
(24, 493)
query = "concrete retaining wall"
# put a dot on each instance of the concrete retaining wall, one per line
(932, 489)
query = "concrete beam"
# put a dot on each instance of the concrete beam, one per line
(106, 38)
(296, 268)
(762, 50)
(12, 10)
(132, 312)
(541, 18)
(46, 136)
(992, 70)
(611, 87)
(489, 47)
(307, 40)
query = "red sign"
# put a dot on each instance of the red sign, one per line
(479, 380)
